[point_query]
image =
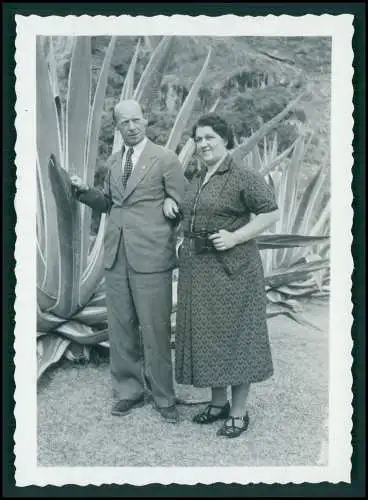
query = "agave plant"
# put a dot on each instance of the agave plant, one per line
(70, 286)
(70, 290)
(296, 249)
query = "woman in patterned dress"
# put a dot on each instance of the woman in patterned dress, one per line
(221, 330)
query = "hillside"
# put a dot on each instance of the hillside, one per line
(254, 78)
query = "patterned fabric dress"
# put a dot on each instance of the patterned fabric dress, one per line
(221, 331)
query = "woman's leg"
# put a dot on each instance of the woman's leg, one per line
(219, 396)
(239, 399)
(218, 408)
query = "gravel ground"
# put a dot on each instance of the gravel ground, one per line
(288, 414)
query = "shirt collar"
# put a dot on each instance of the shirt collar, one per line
(222, 168)
(138, 148)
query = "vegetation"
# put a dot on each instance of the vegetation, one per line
(72, 121)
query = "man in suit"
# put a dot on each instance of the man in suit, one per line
(142, 191)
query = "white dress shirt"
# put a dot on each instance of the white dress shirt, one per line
(138, 148)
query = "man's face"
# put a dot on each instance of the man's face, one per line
(130, 122)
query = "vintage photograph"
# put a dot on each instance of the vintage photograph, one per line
(183, 213)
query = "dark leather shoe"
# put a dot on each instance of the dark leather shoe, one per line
(124, 406)
(170, 414)
(234, 426)
(207, 417)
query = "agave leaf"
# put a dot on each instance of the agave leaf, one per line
(40, 215)
(91, 315)
(256, 157)
(128, 87)
(94, 271)
(94, 123)
(268, 167)
(47, 140)
(56, 92)
(41, 265)
(277, 309)
(304, 291)
(78, 106)
(277, 241)
(324, 250)
(293, 182)
(126, 93)
(274, 296)
(310, 217)
(68, 241)
(287, 199)
(50, 349)
(308, 205)
(187, 152)
(98, 300)
(150, 80)
(46, 113)
(274, 146)
(296, 273)
(47, 321)
(82, 334)
(213, 109)
(323, 220)
(265, 152)
(267, 261)
(257, 136)
(288, 187)
(187, 108)
(95, 113)
(44, 300)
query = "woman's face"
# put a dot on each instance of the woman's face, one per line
(211, 147)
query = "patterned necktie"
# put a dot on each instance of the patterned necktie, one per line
(128, 167)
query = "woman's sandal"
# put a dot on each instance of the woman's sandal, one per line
(206, 417)
(232, 430)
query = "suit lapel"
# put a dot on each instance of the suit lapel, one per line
(117, 172)
(147, 159)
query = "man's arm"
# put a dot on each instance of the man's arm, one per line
(174, 180)
(95, 198)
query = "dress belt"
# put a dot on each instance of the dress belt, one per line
(193, 234)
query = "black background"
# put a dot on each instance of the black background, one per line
(357, 486)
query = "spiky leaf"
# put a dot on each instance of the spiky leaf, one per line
(50, 349)
(150, 80)
(187, 108)
(68, 221)
(257, 136)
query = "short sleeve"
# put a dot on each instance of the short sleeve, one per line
(257, 195)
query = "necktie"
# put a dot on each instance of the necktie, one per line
(128, 167)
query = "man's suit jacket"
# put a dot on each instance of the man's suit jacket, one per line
(136, 213)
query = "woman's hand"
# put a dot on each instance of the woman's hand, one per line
(223, 240)
(78, 184)
(170, 208)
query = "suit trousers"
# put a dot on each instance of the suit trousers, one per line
(139, 307)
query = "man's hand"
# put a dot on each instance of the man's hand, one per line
(171, 208)
(78, 184)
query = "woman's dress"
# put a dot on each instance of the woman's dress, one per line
(221, 330)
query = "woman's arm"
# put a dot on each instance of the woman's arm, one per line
(223, 240)
(256, 226)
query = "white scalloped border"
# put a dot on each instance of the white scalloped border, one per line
(340, 28)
